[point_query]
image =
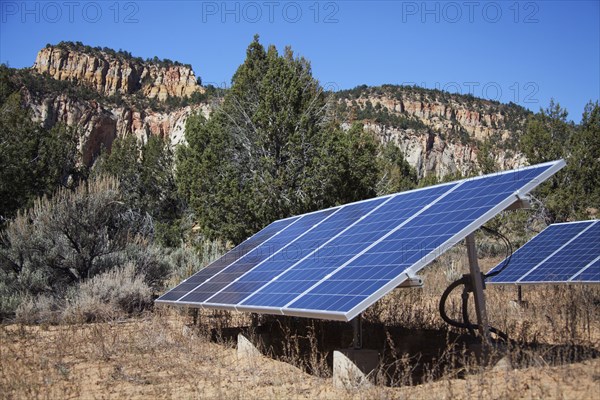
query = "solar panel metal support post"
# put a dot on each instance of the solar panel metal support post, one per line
(357, 332)
(478, 288)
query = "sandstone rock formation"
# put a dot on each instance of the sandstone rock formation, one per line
(432, 156)
(446, 130)
(109, 74)
(441, 137)
(99, 124)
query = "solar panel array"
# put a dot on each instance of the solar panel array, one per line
(561, 253)
(334, 263)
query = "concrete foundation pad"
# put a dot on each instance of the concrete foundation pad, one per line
(503, 364)
(245, 348)
(353, 367)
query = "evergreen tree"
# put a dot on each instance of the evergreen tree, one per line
(546, 135)
(147, 181)
(583, 165)
(33, 160)
(348, 169)
(268, 151)
(573, 192)
(485, 158)
(396, 173)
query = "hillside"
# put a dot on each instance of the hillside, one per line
(438, 132)
(110, 72)
(106, 94)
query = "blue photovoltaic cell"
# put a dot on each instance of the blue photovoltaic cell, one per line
(408, 245)
(569, 260)
(561, 253)
(536, 250)
(237, 252)
(335, 263)
(304, 246)
(309, 272)
(219, 281)
(591, 273)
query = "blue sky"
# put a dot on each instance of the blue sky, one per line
(526, 52)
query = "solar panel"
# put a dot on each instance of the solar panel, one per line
(275, 245)
(232, 256)
(561, 253)
(335, 263)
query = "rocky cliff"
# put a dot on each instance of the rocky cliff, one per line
(106, 94)
(430, 154)
(439, 133)
(100, 124)
(110, 73)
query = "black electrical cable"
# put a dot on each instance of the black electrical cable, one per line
(466, 324)
(465, 281)
(509, 251)
(444, 298)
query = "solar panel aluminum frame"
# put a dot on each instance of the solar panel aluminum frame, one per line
(570, 281)
(410, 272)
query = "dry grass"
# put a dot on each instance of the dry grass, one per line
(159, 356)
(162, 356)
(553, 314)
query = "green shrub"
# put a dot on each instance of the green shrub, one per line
(72, 237)
(117, 293)
(42, 309)
(186, 260)
(149, 260)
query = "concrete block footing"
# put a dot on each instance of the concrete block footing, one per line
(354, 367)
(251, 346)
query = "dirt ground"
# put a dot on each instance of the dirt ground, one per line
(159, 356)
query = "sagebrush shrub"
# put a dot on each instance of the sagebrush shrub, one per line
(41, 309)
(186, 260)
(116, 293)
(72, 237)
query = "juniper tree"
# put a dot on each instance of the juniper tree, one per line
(573, 192)
(270, 150)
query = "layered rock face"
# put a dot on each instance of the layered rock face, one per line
(447, 132)
(101, 121)
(110, 74)
(432, 156)
(444, 117)
(443, 134)
(100, 125)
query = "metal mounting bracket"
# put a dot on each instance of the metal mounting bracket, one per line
(411, 282)
(521, 202)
